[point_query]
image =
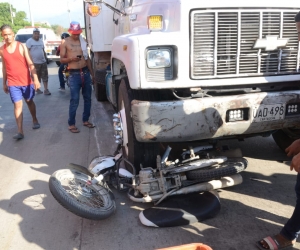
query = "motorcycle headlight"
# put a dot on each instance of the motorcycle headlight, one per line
(159, 58)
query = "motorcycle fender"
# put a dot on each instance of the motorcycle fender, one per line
(101, 163)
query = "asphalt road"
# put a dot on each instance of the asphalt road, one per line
(32, 219)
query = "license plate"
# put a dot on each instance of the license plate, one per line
(265, 113)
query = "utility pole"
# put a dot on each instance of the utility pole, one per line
(11, 14)
(31, 18)
(69, 11)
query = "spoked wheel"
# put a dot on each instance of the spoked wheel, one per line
(70, 188)
(230, 167)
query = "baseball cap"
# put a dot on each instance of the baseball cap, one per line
(75, 28)
(36, 30)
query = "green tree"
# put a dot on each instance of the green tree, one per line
(58, 30)
(19, 20)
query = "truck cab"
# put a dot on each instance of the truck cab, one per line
(185, 71)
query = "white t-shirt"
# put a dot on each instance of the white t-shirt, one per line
(36, 49)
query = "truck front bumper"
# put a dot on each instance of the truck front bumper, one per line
(204, 118)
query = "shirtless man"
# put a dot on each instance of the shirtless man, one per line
(74, 53)
(16, 63)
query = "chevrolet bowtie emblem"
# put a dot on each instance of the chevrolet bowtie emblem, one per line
(270, 43)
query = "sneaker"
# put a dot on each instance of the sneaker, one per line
(46, 92)
(38, 91)
(62, 89)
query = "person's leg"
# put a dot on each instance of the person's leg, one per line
(87, 93)
(28, 95)
(38, 73)
(16, 95)
(75, 86)
(18, 107)
(61, 76)
(44, 76)
(32, 109)
(291, 229)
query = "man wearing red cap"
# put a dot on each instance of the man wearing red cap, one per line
(74, 53)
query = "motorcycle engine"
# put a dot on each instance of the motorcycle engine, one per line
(148, 183)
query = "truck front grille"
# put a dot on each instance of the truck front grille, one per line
(222, 43)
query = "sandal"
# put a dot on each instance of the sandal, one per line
(88, 124)
(276, 242)
(18, 136)
(74, 130)
(36, 126)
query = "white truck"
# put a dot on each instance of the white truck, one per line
(181, 71)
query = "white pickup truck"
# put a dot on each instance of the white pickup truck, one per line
(185, 71)
(48, 37)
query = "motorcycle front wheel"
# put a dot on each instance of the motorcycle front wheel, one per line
(70, 188)
(230, 167)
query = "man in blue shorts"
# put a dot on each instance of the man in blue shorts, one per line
(17, 81)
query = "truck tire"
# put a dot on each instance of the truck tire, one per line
(100, 88)
(69, 187)
(285, 137)
(135, 152)
(230, 167)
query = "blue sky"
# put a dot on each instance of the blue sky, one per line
(53, 11)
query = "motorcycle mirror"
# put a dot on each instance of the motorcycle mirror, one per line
(94, 9)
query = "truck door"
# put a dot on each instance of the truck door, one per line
(122, 25)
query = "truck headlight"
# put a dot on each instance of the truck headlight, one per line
(161, 63)
(160, 58)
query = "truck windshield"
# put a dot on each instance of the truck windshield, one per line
(22, 38)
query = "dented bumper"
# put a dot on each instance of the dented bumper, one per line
(204, 118)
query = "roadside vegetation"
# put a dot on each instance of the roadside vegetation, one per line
(18, 19)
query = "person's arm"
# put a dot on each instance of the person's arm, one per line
(45, 55)
(294, 150)
(28, 44)
(4, 78)
(89, 64)
(30, 64)
(295, 164)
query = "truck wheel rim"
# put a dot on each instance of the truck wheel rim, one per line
(123, 124)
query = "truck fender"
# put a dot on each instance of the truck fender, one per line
(126, 50)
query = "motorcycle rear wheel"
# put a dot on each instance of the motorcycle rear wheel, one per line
(230, 167)
(69, 187)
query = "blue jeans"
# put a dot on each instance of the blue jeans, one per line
(61, 75)
(291, 229)
(77, 82)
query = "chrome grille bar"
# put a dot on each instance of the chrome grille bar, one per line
(222, 43)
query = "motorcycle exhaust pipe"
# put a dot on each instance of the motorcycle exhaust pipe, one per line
(226, 181)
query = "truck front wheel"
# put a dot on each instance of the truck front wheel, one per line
(137, 153)
(285, 137)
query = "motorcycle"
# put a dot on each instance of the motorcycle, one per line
(87, 192)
